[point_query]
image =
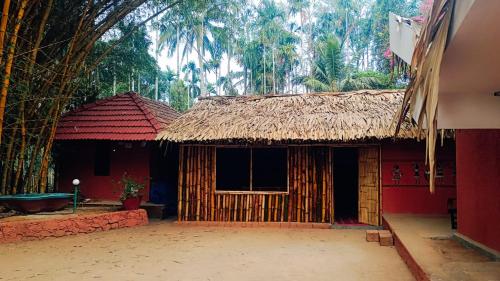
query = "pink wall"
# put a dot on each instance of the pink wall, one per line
(76, 160)
(478, 185)
(410, 194)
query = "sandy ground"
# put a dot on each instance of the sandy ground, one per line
(166, 251)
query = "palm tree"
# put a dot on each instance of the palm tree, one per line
(192, 75)
(327, 67)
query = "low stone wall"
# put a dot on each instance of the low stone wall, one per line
(39, 229)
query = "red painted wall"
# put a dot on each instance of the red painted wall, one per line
(76, 160)
(410, 194)
(478, 185)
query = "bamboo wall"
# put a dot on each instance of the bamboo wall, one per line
(310, 196)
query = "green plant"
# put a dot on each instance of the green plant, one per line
(131, 188)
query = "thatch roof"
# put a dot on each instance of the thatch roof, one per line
(325, 117)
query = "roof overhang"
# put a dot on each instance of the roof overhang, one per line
(470, 69)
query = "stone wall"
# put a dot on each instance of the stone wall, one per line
(39, 229)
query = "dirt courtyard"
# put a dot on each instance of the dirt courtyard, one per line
(166, 251)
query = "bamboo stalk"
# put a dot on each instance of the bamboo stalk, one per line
(247, 207)
(307, 167)
(291, 183)
(263, 207)
(213, 187)
(179, 183)
(242, 207)
(330, 193)
(10, 59)
(198, 181)
(188, 182)
(315, 189)
(282, 216)
(207, 183)
(299, 183)
(323, 187)
(217, 209)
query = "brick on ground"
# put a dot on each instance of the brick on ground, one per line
(385, 238)
(372, 236)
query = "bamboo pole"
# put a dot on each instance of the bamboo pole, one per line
(282, 216)
(10, 58)
(217, 209)
(179, 183)
(307, 167)
(323, 187)
(291, 157)
(207, 182)
(315, 188)
(242, 207)
(299, 183)
(213, 187)
(188, 182)
(198, 179)
(330, 172)
(293, 204)
(263, 207)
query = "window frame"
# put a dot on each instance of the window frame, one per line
(218, 191)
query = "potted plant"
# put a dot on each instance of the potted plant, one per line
(132, 193)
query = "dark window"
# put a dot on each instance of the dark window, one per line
(266, 166)
(102, 159)
(233, 169)
(269, 172)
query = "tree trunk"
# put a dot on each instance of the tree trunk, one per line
(245, 79)
(157, 67)
(177, 47)
(274, 73)
(264, 65)
(114, 81)
(200, 46)
(229, 56)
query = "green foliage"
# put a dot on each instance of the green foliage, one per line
(131, 188)
(366, 80)
(327, 67)
(179, 96)
(318, 45)
(127, 64)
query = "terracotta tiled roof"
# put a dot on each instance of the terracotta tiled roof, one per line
(126, 116)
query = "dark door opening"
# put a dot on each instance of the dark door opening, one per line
(345, 185)
(164, 167)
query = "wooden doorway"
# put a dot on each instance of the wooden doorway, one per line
(369, 190)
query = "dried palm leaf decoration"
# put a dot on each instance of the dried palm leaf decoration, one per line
(421, 97)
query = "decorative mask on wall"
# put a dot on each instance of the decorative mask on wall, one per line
(396, 173)
(416, 172)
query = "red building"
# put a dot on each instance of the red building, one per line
(100, 142)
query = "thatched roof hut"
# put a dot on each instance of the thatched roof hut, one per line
(325, 117)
